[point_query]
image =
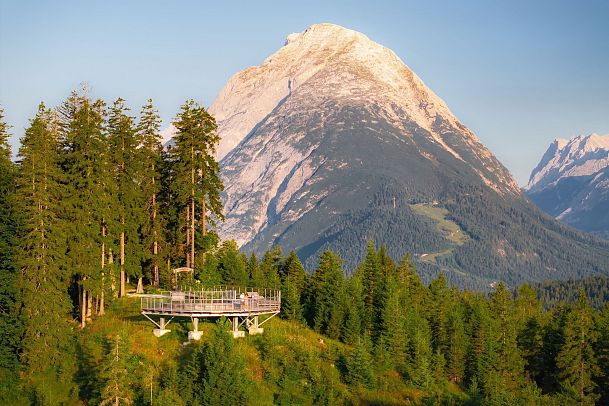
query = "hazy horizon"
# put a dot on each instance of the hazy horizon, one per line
(519, 75)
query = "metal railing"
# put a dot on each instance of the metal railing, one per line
(213, 301)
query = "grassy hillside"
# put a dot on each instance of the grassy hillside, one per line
(289, 363)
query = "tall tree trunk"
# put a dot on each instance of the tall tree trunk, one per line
(89, 304)
(155, 244)
(83, 306)
(112, 274)
(192, 230)
(203, 228)
(187, 248)
(192, 205)
(122, 287)
(100, 308)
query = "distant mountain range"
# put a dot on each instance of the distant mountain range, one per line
(333, 141)
(571, 183)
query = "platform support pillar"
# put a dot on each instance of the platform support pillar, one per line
(236, 332)
(195, 334)
(162, 330)
(254, 329)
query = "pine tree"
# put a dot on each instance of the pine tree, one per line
(151, 155)
(576, 360)
(45, 306)
(116, 373)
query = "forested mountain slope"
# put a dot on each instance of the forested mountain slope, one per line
(333, 140)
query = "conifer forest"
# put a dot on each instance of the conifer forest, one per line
(94, 207)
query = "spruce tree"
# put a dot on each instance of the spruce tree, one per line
(371, 277)
(217, 374)
(602, 353)
(116, 373)
(360, 369)
(325, 296)
(256, 279)
(352, 330)
(293, 278)
(196, 179)
(504, 377)
(576, 360)
(127, 169)
(45, 306)
(10, 325)
(232, 264)
(151, 155)
(88, 195)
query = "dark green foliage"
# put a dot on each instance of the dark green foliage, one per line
(127, 171)
(293, 277)
(360, 369)
(552, 293)
(324, 298)
(232, 265)
(150, 153)
(576, 360)
(88, 194)
(217, 373)
(10, 326)
(116, 373)
(45, 306)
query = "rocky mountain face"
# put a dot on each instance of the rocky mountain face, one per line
(333, 140)
(571, 183)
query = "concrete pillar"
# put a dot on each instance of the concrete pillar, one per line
(254, 329)
(158, 332)
(236, 332)
(195, 334)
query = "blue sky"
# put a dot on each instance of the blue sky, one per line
(518, 73)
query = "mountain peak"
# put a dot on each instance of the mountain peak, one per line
(349, 66)
(581, 155)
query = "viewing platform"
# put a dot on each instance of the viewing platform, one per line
(242, 306)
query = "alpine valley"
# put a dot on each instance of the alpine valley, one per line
(333, 141)
(571, 183)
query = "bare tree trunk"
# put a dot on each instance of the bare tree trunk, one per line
(112, 275)
(192, 230)
(203, 228)
(122, 287)
(155, 244)
(100, 307)
(89, 304)
(140, 285)
(192, 205)
(83, 306)
(187, 237)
